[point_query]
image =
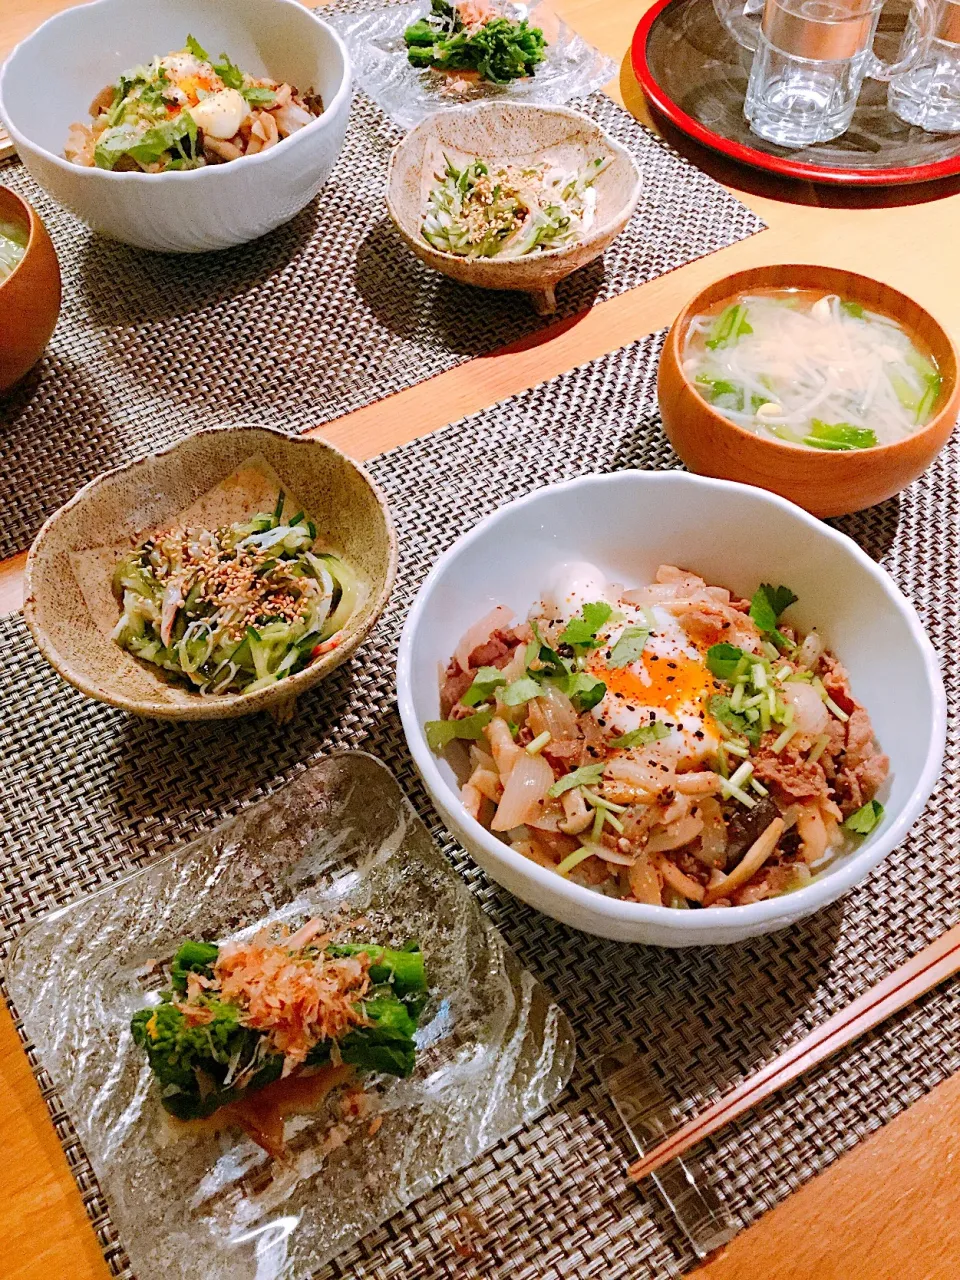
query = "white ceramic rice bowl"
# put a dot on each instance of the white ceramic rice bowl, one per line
(51, 77)
(733, 535)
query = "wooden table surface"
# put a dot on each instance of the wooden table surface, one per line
(888, 1209)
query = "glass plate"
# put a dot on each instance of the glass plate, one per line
(374, 37)
(212, 1206)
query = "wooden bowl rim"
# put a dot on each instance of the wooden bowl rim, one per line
(548, 256)
(34, 228)
(737, 281)
(233, 704)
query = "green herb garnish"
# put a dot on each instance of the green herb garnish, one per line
(197, 49)
(865, 819)
(585, 690)
(629, 646)
(581, 631)
(440, 733)
(723, 660)
(729, 327)
(768, 604)
(521, 691)
(642, 737)
(586, 776)
(721, 710)
(486, 680)
(229, 72)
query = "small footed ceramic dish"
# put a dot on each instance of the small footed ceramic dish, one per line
(512, 133)
(214, 478)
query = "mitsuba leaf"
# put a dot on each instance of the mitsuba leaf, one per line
(440, 733)
(629, 646)
(642, 737)
(721, 710)
(583, 629)
(865, 819)
(587, 776)
(723, 659)
(768, 603)
(197, 49)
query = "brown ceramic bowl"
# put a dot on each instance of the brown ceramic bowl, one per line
(215, 477)
(824, 483)
(29, 296)
(512, 131)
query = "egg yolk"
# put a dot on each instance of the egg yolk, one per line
(675, 684)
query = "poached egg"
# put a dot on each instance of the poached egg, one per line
(669, 683)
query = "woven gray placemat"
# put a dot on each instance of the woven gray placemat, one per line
(87, 793)
(322, 316)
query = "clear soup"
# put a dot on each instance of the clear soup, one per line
(812, 369)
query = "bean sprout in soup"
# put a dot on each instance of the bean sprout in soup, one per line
(812, 369)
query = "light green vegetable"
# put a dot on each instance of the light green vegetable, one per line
(642, 737)
(440, 733)
(587, 776)
(630, 644)
(865, 819)
(237, 608)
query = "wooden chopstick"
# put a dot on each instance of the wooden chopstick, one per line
(907, 983)
(7, 149)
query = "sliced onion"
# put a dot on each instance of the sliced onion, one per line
(559, 716)
(499, 617)
(614, 855)
(713, 837)
(675, 835)
(623, 769)
(528, 783)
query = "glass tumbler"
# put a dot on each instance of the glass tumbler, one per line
(810, 58)
(929, 94)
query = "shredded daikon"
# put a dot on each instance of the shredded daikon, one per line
(814, 371)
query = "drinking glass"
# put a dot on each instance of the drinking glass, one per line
(929, 94)
(810, 58)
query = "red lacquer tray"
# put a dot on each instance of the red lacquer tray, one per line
(695, 75)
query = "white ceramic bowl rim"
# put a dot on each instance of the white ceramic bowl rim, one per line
(545, 255)
(208, 172)
(803, 901)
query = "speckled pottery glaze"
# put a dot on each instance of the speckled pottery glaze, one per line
(70, 619)
(511, 131)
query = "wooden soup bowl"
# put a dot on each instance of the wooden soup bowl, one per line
(824, 483)
(29, 295)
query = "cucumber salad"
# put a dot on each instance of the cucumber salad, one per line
(489, 210)
(238, 608)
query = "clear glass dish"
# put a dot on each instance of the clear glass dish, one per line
(374, 37)
(339, 838)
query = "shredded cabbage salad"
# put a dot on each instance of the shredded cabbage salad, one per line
(235, 609)
(488, 210)
(821, 372)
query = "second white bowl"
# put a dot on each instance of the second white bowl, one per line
(628, 523)
(51, 77)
